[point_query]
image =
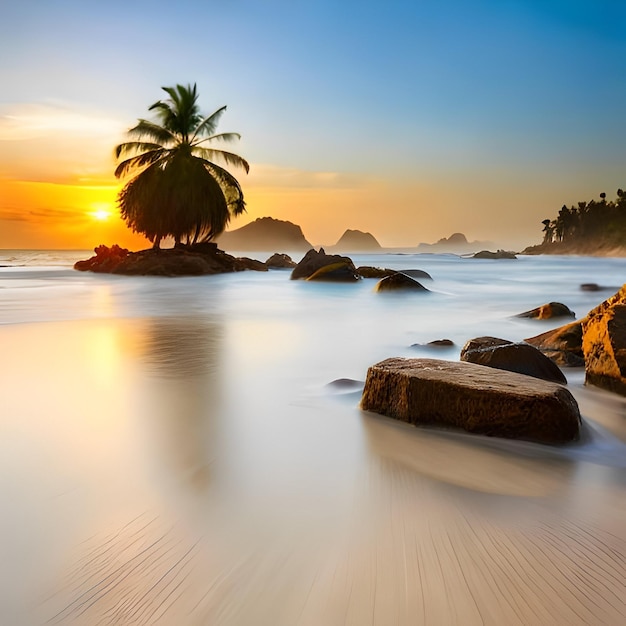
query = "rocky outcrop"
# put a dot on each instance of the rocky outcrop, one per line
(357, 241)
(563, 345)
(341, 272)
(512, 357)
(195, 260)
(604, 344)
(500, 254)
(314, 260)
(477, 399)
(399, 282)
(265, 234)
(548, 311)
(280, 261)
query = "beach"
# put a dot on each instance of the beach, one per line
(180, 451)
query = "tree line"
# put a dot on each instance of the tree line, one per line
(598, 221)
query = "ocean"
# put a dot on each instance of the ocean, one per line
(179, 451)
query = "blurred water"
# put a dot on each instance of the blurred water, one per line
(171, 452)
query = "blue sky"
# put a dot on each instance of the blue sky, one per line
(451, 113)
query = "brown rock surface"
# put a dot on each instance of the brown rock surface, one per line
(563, 345)
(548, 311)
(278, 260)
(341, 272)
(515, 357)
(477, 399)
(604, 344)
(399, 282)
(181, 261)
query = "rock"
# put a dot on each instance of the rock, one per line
(367, 271)
(515, 357)
(482, 343)
(441, 343)
(604, 344)
(313, 261)
(336, 272)
(280, 261)
(196, 260)
(477, 399)
(399, 282)
(563, 345)
(548, 311)
(105, 260)
(417, 274)
(500, 254)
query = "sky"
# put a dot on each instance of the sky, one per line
(409, 120)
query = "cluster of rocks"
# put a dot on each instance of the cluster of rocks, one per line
(508, 389)
(195, 260)
(317, 265)
(597, 342)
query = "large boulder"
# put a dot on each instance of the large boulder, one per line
(314, 260)
(341, 272)
(563, 345)
(513, 357)
(548, 311)
(604, 344)
(477, 399)
(399, 282)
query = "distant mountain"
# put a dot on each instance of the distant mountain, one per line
(265, 234)
(356, 241)
(456, 243)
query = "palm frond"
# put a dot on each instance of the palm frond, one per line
(139, 162)
(134, 147)
(229, 158)
(230, 185)
(209, 124)
(226, 137)
(153, 132)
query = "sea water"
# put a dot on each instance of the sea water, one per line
(191, 451)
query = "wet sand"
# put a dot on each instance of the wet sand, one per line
(157, 474)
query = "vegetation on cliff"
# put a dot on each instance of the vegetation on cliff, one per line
(594, 226)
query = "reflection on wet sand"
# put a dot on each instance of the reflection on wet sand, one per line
(169, 496)
(182, 362)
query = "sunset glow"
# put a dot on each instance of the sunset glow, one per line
(481, 119)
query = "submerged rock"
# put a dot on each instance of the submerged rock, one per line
(500, 254)
(514, 357)
(195, 260)
(477, 399)
(367, 271)
(280, 261)
(314, 260)
(399, 282)
(548, 311)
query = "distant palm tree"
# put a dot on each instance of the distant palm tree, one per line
(176, 189)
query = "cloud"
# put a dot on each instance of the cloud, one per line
(263, 175)
(20, 122)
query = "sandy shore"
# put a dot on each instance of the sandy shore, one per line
(155, 508)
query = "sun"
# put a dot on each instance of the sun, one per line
(101, 211)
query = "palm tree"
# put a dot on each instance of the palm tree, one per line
(176, 189)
